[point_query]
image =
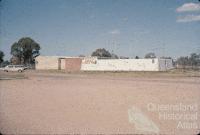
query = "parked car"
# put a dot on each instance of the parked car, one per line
(18, 68)
(29, 66)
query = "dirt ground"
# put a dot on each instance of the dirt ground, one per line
(99, 103)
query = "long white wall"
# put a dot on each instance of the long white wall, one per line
(120, 65)
(94, 64)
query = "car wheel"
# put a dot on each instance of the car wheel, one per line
(20, 70)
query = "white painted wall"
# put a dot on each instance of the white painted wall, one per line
(94, 64)
(63, 64)
(165, 64)
(121, 65)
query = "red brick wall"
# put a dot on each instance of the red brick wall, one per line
(73, 64)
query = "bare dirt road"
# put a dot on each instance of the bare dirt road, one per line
(55, 103)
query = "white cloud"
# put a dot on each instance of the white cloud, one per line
(187, 7)
(115, 32)
(188, 18)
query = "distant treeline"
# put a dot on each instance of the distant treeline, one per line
(25, 50)
(192, 61)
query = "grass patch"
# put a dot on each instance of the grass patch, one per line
(12, 75)
(170, 73)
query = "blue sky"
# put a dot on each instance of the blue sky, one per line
(125, 27)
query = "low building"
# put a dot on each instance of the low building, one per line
(58, 62)
(95, 64)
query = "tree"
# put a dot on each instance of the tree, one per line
(25, 50)
(17, 53)
(150, 55)
(194, 59)
(15, 60)
(5, 63)
(165, 57)
(81, 55)
(114, 56)
(123, 57)
(101, 52)
(183, 61)
(198, 61)
(1, 56)
(136, 57)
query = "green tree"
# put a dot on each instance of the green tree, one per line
(114, 56)
(26, 49)
(5, 63)
(165, 57)
(136, 57)
(194, 59)
(17, 53)
(150, 55)
(183, 61)
(101, 52)
(1, 56)
(191, 61)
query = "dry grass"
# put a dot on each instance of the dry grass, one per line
(12, 75)
(149, 74)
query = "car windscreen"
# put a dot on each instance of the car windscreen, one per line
(18, 66)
